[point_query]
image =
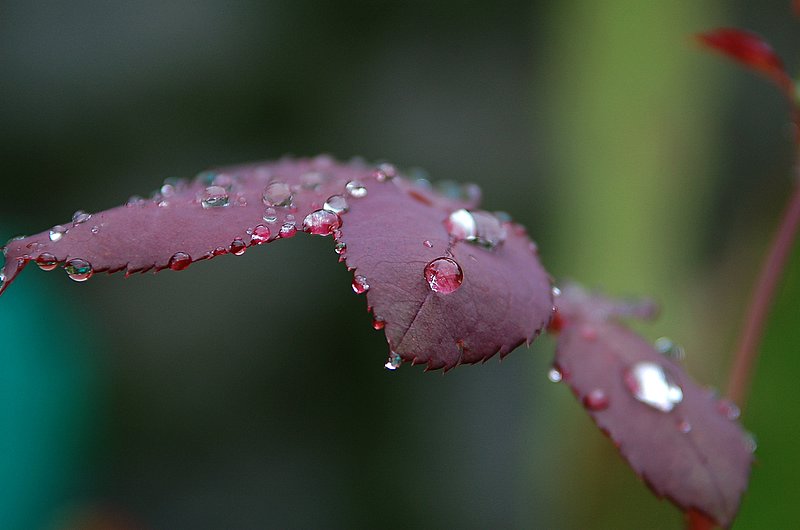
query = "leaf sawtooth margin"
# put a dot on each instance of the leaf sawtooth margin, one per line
(505, 299)
(697, 455)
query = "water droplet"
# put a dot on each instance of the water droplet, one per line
(288, 230)
(394, 362)
(556, 292)
(665, 346)
(238, 247)
(321, 223)
(312, 180)
(163, 204)
(596, 400)
(554, 375)
(360, 284)
(277, 194)
(219, 251)
(270, 215)
(57, 232)
(260, 235)
(135, 200)
(80, 217)
(95, 229)
(750, 442)
(223, 180)
(443, 275)
(335, 204)
(461, 225)
(340, 248)
(684, 426)
(214, 197)
(179, 261)
(480, 228)
(46, 261)
(384, 172)
(167, 190)
(378, 323)
(728, 409)
(650, 384)
(356, 189)
(78, 269)
(427, 243)
(206, 178)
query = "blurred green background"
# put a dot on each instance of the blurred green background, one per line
(250, 392)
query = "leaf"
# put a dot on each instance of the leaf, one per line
(683, 441)
(751, 50)
(502, 299)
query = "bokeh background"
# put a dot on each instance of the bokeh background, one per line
(250, 392)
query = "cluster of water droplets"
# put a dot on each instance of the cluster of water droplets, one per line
(477, 227)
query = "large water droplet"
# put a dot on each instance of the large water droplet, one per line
(78, 269)
(443, 275)
(46, 261)
(215, 197)
(277, 194)
(596, 400)
(321, 223)
(260, 235)
(57, 232)
(179, 261)
(554, 375)
(394, 362)
(336, 204)
(238, 247)
(288, 230)
(480, 228)
(356, 189)
(650, 384)
(80, 217)
(360, 284)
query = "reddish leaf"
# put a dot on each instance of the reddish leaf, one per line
(676, 435)
(502, 301)
(752, 51)
(503, 298)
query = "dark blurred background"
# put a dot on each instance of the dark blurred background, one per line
(250, 392)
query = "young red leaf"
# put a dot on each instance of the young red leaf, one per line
(752, 51)
(488, 294)
(680, 438)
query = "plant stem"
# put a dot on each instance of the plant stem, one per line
(763, 296)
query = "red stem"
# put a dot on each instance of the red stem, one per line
(763, 296)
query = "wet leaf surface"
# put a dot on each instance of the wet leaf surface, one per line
(682, 440)
(487, 294)
(502, 300)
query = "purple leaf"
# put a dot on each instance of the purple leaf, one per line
(445, 300)
(488, 293)
(680, 438)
